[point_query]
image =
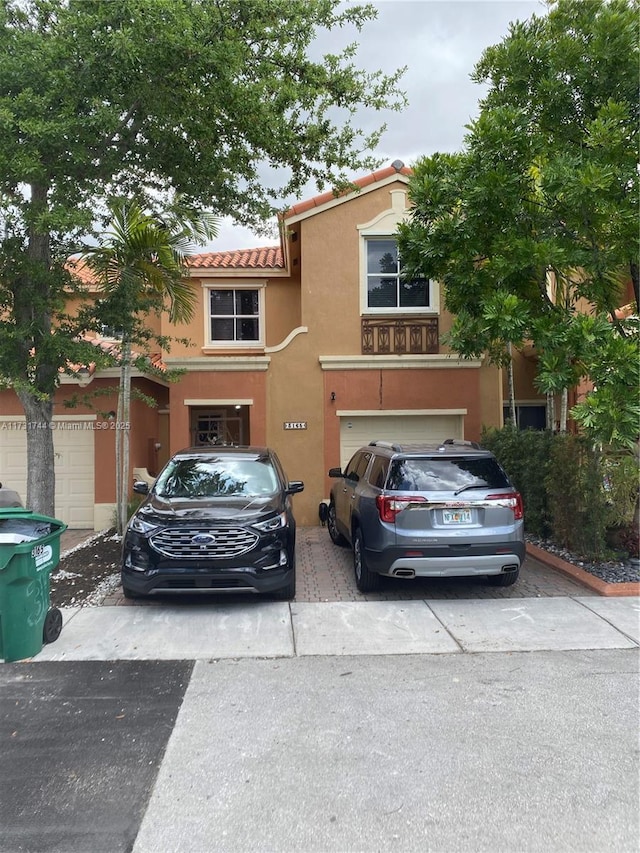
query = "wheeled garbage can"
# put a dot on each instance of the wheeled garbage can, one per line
(29, 551)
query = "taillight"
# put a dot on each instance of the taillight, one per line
(511, 499)
(390, 505)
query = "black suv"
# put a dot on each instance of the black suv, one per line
(216, 519)
(444, 510)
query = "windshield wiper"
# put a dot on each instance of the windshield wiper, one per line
(469, 486)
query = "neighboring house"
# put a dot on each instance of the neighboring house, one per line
(313, 347)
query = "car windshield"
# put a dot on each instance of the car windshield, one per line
(197, 477)
(446, 475)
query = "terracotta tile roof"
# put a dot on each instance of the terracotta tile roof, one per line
(79, 269)
(265, 257)
(111, 347)
(319, 200)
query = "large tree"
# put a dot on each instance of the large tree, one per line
(148, 98)
(536, 220)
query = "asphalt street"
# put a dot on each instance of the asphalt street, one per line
(486, 751)
(82, 744)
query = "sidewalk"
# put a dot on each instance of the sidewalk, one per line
(256, 628)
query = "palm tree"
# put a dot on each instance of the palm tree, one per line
(140, 265)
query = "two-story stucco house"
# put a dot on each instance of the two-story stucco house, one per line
(312, 347)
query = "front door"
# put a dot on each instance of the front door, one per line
(225, 425)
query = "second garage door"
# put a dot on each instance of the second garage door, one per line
(358, 429)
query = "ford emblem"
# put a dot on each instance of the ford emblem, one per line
(203, 539)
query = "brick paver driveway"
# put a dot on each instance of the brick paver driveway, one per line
(325, 573)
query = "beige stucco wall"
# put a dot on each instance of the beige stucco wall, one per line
(330, 262)
(298, 389)
(282, 315)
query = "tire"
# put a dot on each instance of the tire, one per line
(287, 592)
(366, 580)
(52, 625)
(336, 537)
(505, 579)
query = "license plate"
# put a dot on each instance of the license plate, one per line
(456, 516)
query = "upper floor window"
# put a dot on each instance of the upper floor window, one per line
(236, 316)
(386, 288)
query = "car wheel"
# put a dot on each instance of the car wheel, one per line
(366, 580)
(336, 537)
(505, 579)
(287, 592)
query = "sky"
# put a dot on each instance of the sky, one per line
(440, 42)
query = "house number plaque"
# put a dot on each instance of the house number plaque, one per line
(295, 424)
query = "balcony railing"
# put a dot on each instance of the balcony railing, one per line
(395, 336)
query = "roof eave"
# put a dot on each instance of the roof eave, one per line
(374, 184)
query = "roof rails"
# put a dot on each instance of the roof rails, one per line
(448, 442)
(378, 443)
(462, 442)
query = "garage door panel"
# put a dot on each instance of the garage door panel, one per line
(74, 470)
(359, 430)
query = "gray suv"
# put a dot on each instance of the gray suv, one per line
(442, 510)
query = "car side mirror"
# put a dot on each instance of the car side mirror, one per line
(141, 487)
(335, 472)
(295, 486)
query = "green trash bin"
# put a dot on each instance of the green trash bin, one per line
(29, 551)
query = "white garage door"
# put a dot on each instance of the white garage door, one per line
(358, 429)
(74, 465)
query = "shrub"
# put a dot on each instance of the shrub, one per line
(573, 494)
(525, 455)
(577, 498)
(620, 472)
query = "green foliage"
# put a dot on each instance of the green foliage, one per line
(620, 471)
(525, 454)
(542, 207)
(140, 267)
(147, 94)
(577, 498)
(626, 540)
(610, 413)
(573, 494)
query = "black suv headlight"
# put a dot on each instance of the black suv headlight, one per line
(139, 525)
(272, 524)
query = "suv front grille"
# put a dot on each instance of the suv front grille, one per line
(198, 543)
